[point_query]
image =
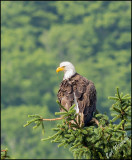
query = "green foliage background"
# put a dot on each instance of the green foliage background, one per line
(36, 36)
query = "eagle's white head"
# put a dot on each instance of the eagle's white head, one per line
(68, 68)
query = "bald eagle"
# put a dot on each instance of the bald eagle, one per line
(76, 89)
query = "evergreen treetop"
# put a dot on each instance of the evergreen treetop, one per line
(102, 138)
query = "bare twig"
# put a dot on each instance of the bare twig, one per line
(94, 120)
(55, 119)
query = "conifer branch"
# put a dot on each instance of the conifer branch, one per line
(4, 154)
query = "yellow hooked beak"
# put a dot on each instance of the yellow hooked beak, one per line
(60, 69)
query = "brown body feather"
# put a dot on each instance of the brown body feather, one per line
(85, 93)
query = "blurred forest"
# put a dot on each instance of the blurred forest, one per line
(36, 36)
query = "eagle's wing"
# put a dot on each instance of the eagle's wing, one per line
(86, 97)
(65, 95)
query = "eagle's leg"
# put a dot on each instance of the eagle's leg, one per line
(81, 119)
(78, 119)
